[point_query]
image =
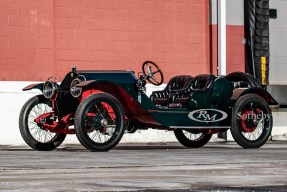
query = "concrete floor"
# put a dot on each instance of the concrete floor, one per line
(146, 167)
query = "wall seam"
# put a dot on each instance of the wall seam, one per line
(55, 64)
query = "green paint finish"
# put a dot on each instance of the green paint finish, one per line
(222, 90)
(210, 99)
(118, 77)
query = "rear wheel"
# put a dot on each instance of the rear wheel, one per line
(36, 137)
(251, 121)
(99, 122)
(192, 139)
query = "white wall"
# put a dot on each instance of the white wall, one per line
(12, 98)
(234, 12)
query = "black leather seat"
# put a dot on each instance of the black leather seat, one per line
(176, 83)
(200, 83)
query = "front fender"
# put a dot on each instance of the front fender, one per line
(34, 86)
(87, 83)
(255, 90)
(125, 98)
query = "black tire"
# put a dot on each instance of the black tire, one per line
(251, 121)
(90, 116)
(243, 77)
(185, 138)
(32, 134)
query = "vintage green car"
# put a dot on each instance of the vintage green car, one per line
(100, 106)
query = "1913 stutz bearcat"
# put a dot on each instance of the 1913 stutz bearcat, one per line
(100, 106)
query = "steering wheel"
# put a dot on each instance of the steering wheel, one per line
(152, 73)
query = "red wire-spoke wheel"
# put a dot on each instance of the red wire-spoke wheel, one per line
(33, 134)
(247, 121)
(99, 122)
(251, 121)
(152, 73)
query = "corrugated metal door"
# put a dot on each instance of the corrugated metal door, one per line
(278, 44)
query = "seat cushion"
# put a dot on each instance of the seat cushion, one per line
(202, 82)
(178, 82)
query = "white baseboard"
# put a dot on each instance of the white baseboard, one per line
(12, 98)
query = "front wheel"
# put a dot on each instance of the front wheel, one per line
(36, 137)
(99, 122)
(192, 139)
(251, 121)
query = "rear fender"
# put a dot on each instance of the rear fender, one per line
(255, 90)
(245, 77)
(34, 86)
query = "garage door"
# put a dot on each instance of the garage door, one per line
(278, 44)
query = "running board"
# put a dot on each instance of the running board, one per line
(199, 127)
